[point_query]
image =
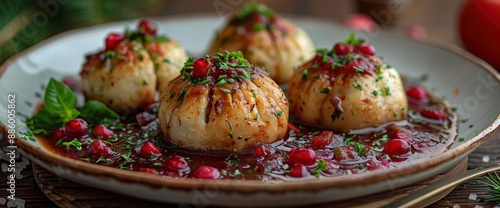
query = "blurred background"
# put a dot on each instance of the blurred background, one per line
(24, 23)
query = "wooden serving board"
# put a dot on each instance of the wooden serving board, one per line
(65, 193)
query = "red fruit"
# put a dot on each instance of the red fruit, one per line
(200, 68)
(147, 28)
(298, 171)
(176, 164)
(149, 151)
(353, 68)
(400, 134)
(206, 172)
(322, 140)
(418, 93)
(366, 49)
(149, 170)
(360, 22)
(113, 40)
(102, 131)
(262, 150)
(59, 134)
(262, 168)
(396, 132)
(342, 49)
(144, 118)
(76, 127)
(259, 18)
(479, 29)
(302, 156)
(294, 128)
(434, 114)
(396, 148)
(100, 149)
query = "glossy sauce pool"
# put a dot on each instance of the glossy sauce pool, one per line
(304, 153)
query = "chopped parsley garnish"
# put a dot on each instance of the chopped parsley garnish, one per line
(359, 70)
(325, 90)
(250, 9)
(305, 73)
(358, 86)
(75, 143)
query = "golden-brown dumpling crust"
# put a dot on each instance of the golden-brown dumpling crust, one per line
(125, 81)
(343, 102)
(168, 58)
(231, 117)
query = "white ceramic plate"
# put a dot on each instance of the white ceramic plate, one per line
(449, 70)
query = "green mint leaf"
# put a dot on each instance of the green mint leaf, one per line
(60, 101)
(95, 112)
(44, 122)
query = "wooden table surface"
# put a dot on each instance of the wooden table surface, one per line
(439, 18)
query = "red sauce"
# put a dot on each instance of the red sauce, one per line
(309, 153)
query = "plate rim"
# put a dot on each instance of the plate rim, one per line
(244, 186)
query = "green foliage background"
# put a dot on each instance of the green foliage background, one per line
(23, 23)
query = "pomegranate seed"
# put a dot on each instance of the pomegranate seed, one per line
(259, 18)
(262, 150)
(206, 172)
(342, 49)
(113, 40)
(100, 149)
(298, 171)
(147, 28)
(396, 148)
(418, 93)
(176, 164)
(102, 131)
(76, 127)
(366, 49)
(294, 128)
(360, 22)
(144, 118)
(322, 140)
(353, 68)
(59, 134)
(149, 170)
(302, 156)
(434, 114)
(396, 132)
(200, 68)
(262, 168)
(400, 134)
(149, 151)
